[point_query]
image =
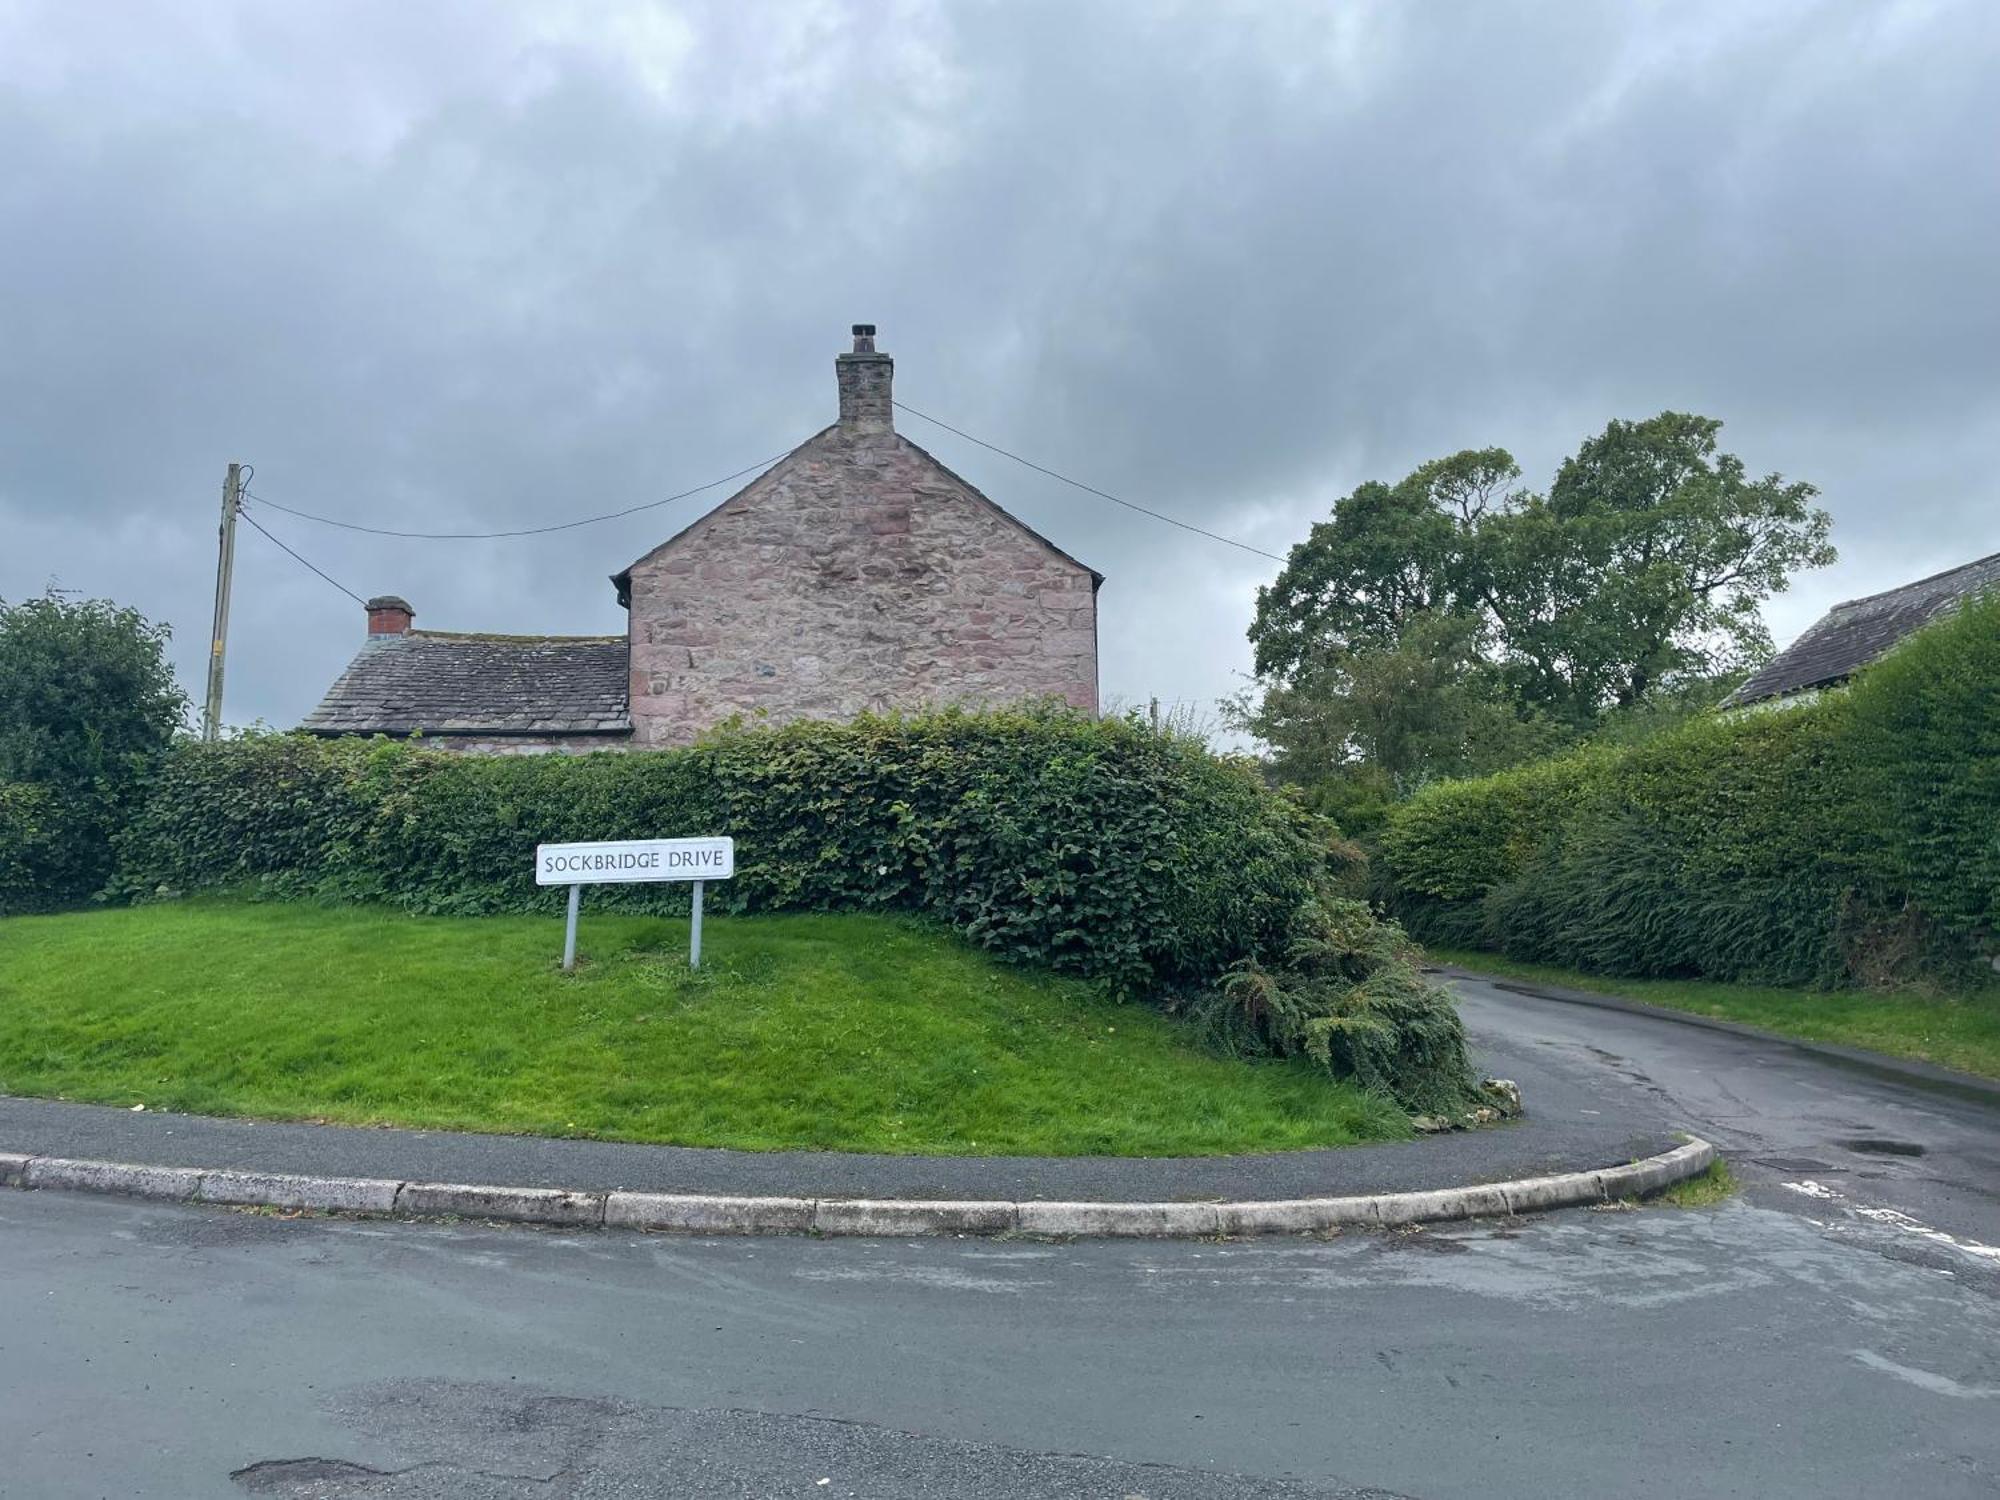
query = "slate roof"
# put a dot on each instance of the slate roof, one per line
(437, 682)
(1851, 635)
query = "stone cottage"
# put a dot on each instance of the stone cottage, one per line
(857, 573)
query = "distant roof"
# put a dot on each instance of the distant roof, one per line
(436, 682)
(1851, 635)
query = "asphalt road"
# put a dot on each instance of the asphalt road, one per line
(1804, 1132)
(1783, 1344)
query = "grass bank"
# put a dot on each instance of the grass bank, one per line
(1954, 1031)
(852, 1033)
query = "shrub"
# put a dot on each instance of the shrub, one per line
(87, 705)
(1847, 837)
(27, 833)
(1346, 992)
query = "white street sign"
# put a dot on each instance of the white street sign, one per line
(620, 861)
(635, 859)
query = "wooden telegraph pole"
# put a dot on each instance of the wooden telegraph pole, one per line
(225, 565)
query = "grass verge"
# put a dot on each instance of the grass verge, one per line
(853, 1033)
(1955, 1031)
(1711, 1187)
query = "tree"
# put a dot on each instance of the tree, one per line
(1453, 623)
(88, 701)
(1388, 554)
(1388, 717)
(1645, 566)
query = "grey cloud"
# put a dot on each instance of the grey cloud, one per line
(482, 268)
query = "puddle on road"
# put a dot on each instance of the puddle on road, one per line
(1876, 1146)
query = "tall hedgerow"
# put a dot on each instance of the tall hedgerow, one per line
(1924, 750)
(1095, 847)
(1850, 837)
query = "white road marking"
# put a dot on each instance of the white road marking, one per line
(1897, 1219)
(1922, 1230)
(1927, 1380)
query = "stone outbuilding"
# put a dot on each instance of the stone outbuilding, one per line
(1851, 635)
(855, 574)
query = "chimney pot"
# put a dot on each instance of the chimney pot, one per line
(389, 615)
(867, 403)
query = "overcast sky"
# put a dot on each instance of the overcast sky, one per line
(473, 266)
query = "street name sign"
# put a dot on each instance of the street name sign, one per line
(635, 859)
(621, 861)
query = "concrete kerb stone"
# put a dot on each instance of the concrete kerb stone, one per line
(1481, 1202)
(1533, 1195)
(350, 1195)
(477, 1201)
(1144, 1220)
(715, 1214)
(1641, 1178)
(1297, 1216)
(112, 1177)
(898, 1216)
(706, 1213)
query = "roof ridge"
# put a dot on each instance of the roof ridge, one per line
(502, 638)
(1914, 583)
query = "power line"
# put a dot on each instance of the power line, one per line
(630, 510)
(1090, 489)
(477, 536)
(300, 560)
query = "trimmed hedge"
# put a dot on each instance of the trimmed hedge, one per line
(1091, 847)
(1924, 731)
(1852, 837)
(55, 843)
(25, 816)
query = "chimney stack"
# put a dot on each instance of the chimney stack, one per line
(388, 615)
(865, 380)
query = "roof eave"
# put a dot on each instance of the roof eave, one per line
(511, 732)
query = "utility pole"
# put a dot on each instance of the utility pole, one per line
(225, 565)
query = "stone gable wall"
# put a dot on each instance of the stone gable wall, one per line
(857, 575)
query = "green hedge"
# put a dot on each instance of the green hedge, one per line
(24, 838)
(1091, 847)
(1852, 837)
(1925, 750)
(55, 844)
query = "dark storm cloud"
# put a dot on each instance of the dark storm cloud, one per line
(455, 268)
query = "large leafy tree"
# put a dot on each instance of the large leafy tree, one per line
(87, 703)
(1454, 622)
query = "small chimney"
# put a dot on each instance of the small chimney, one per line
(865, 377)
(388, 615)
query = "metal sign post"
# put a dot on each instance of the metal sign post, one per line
(694, 928)
(626, 860)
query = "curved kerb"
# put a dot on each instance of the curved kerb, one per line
(702, 1213)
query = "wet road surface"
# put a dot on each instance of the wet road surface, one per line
(1803, 1132)
(1783, 1344)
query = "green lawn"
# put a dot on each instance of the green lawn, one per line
(853, 1033)
(1960, 1031)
